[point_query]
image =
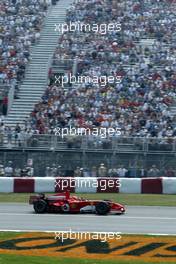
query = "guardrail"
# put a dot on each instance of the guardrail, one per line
(65, 63)
(95, 143)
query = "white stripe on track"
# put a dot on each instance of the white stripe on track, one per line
(54, 231)
(92, 216)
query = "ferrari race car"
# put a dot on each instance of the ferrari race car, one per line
(65, 203)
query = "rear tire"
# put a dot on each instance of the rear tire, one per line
(40, 206)
(102, 208)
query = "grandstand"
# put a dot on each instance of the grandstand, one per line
(35, 55)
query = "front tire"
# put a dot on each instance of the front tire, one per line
(102, 208)
(40, 206)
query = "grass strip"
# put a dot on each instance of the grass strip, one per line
(126, 199)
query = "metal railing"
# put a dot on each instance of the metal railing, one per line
(59, 62)
(94, 143)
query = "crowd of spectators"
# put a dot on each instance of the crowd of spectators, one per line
(121, 171)
(20, 25)
(24, 136)
(107, 171)
(140, 104)
(10, 170)
(55, 170)
(18, 136)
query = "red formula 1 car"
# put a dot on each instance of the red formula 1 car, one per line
(64, 203)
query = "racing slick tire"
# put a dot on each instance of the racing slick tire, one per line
(40, 206)
(102, 208)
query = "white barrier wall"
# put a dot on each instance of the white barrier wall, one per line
(46, 184)
(88, 185)
(169, 185)
(129, 185)
(6, 185)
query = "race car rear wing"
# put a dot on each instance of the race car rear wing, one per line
(35, 198)
(59, 196)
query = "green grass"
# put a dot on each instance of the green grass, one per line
(16, 259)
(7, 235)
(126, 199)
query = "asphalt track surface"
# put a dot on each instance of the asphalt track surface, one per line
(137, 220)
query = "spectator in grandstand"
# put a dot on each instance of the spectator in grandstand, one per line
(112, 172)
(169, 172)
(30, 171)
(2, 128)
(1, 100)
(9, 133)
(132, 171)
(142, 172)
(5, 105)
(102, 171)
(17, 172)
(17, 132)
(2, 173)
(86, 172)
(93, 171)
(31, 139)
(121, 171)
(47, 172)
(53, 170)
(1, 119)
(37, 36)
(78, 172)
(8, 170)
(60, 172)
(153, 171)
(23, 172)
(27, 171)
